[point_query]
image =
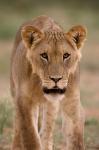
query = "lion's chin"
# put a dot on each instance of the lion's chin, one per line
(55, 90)
(54, 97)
(54, 94)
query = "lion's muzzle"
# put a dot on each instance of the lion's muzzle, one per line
(54, 90)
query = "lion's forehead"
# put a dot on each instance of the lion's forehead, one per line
(54, 35)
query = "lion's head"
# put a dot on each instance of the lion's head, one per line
(53, 55)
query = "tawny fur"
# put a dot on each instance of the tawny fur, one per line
(29, 73)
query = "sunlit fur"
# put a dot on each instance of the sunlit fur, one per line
(30, 74)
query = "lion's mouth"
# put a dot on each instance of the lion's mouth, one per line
(54, 90)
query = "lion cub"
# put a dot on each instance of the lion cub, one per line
(44, 77)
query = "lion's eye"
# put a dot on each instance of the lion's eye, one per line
(44, 56)
(66, 56)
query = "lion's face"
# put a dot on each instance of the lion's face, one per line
(53, 56)
(53, 62)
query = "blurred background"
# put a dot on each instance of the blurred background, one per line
(68, 13)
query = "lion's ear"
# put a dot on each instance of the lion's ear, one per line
(77, 35)
(31, 35)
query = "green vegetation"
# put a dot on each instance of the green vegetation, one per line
(6, 123)
(92, 134)
(6, 115)
(14, 13)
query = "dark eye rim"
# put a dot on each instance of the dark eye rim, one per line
(66, 56)
(44, 56)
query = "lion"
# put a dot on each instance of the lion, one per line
(45, 77)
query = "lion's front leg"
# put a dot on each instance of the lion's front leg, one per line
(17, 141)
(73, 127)
(28, 132)
(49, 116)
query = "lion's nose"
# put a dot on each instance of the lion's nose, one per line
(55, 79)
